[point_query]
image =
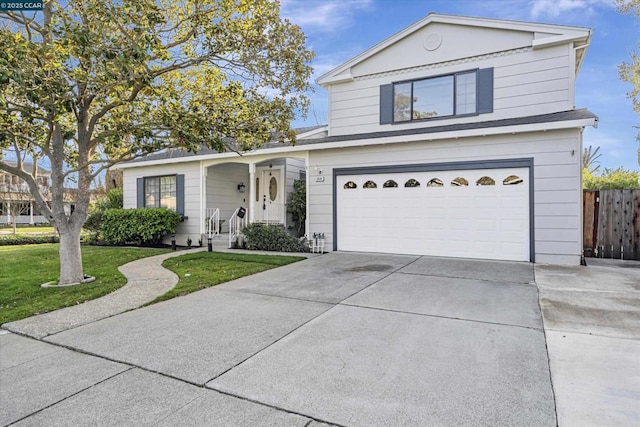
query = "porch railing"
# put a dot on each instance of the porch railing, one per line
(236, 224)
(272, 213)
(213, 222)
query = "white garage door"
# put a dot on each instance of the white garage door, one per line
(466, 213)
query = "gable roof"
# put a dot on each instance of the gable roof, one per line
(544, 35)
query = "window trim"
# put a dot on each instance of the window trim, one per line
(144, 189)
(454, 115)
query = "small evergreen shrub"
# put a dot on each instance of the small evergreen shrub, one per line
(111, 200)
(261, 237)
(27, 240)
(142, 226)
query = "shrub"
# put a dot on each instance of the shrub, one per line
(297, 205)
(142, 226)
(27, 240)
(610, 179)
(111, 200)
(271, 238)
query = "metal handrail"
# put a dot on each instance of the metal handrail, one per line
(236, 224)
(214, 223)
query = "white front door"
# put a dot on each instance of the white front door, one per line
(270, 196)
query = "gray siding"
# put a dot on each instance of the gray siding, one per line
(526, 82)
(222, 189)
(557, 204)
(191, 226)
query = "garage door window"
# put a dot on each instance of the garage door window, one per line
(512, 180)
(486, 180)
(435, 182)
(350, 185)
(412, 183)
(390, 184)
(370, 184)
(459, 182)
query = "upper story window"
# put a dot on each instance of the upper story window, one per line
(160, 192)
(458, 94)
(442, 96)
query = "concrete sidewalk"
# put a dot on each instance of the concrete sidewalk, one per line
(146, 280)
(592, 323)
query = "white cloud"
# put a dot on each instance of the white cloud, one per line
(323, 15)
(556, 8)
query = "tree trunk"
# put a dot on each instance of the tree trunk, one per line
(70, 257)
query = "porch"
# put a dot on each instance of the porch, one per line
(237, 194)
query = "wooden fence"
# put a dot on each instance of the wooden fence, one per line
(611, 224)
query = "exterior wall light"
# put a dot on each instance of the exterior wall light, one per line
(241, 187)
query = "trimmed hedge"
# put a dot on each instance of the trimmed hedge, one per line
(271, 238)
(142, 226)
(27, 240)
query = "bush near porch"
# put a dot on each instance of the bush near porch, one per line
(262, 237)
(142, 226)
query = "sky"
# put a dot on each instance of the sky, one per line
(338, 30)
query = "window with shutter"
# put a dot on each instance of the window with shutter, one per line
(459, 94)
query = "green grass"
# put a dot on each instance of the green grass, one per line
(24, 268)
(205, 269)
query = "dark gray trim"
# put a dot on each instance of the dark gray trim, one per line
(484, 87)
(540, 119)
(140, 192)
(429, 167)
(180, 194)
(386, 104)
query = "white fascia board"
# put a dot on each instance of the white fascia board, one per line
(535, 127)
(312, 132)
(560, 39)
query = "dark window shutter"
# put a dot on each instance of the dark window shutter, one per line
(140, 192)
(485, 90)
(386, 104)
(180, 194)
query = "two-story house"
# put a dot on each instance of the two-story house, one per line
(16, 199)
(456, 136)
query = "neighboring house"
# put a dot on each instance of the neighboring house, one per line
(457, 137)
(15, 197)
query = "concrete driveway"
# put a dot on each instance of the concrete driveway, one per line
(345, 338)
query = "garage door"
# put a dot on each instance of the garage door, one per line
(464, 213)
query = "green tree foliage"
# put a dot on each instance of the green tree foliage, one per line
(297, 205)
(630, 71)
(610, 179)
(86, 84)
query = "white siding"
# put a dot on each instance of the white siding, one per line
(526, 83)
(556, 155)
(456, 42)
(222, 189)
(191, 171)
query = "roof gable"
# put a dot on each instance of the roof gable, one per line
(440, 38)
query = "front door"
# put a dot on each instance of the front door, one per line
(270, 197)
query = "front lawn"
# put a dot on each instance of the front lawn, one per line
(204, 269)
(24, 268)
(45, 229)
